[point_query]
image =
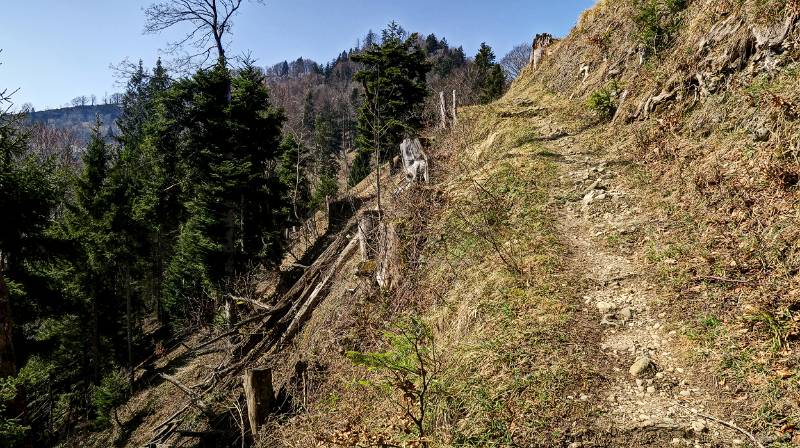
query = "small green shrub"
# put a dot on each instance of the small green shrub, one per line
(657, 22)
(604, 102)
(410, 367)
(109, 395)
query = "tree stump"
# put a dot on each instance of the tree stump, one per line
(539, 48)
(442, 111)
(259, 395)
(368, 233)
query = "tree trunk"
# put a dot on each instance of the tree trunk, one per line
(95, 336)
(8, 360)
(156, 283)
(128, 324)
(368, 223)
(259, 395)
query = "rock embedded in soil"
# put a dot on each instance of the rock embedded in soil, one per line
(605, 307)
(761, 134)
(698, 426)
(640, 366)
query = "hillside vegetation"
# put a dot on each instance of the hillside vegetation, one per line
(607, 255)
(612, 258)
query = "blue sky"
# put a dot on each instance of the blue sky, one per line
(55, 50)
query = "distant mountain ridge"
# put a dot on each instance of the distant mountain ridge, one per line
(79, 119)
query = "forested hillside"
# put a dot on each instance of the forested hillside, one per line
(77, 120)
(185, 208)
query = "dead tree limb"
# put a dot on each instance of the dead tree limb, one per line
(196, 401)
(234, 330)
(748, 434)
(254, 302)
(166, 428)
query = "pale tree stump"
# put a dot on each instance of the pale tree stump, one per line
(259, 395)
(539, 48)
(442, 111)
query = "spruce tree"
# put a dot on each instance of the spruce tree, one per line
(225, 174)
(28, 194)
(393, 77)
(291, 176)
(89, 227)
(490, 81)
(255, 137)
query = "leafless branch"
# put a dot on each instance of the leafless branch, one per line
(210, 22)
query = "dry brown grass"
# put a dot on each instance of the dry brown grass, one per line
(722, 203)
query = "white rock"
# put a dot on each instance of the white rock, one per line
(640, 366)
(698, 426)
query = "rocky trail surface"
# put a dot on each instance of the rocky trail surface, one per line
(651, 397)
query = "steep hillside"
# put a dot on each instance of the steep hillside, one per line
(702, 130)
(637, 287)
(607, 256)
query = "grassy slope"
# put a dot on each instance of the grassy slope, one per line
(721, 235)
(495, 287)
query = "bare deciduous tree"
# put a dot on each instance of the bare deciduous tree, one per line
(115, 98)
(48, 142)
(5, 98)
(81, 100)
(210, 22)
(515, 60)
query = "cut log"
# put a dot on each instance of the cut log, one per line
(304, 313)
(259, 395)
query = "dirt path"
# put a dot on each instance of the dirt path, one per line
(650, 400)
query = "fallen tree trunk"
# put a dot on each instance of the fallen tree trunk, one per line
(313, 299)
